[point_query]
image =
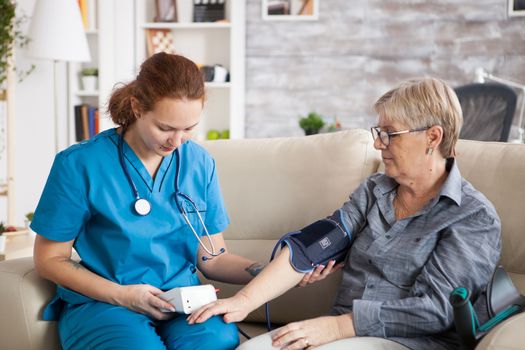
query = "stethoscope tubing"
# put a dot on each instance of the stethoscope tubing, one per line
(143, 207)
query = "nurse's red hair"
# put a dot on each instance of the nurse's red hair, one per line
(161, 75)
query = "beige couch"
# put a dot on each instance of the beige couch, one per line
(272, 186)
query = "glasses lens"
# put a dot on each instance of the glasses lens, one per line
(384, 137)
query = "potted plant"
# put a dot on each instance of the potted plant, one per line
(10, 34)
(89, 78)
(29, 218)
(312, 123)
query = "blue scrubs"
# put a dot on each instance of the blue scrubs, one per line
(87, 198)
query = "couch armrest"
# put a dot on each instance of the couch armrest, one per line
(23, 295)
(506, 336)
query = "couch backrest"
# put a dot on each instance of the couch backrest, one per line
(498, 171)
(273, 186)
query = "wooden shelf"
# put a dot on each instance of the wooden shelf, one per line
(19, 231)
(214, 85)
(85, 93)
(194, 25)
(18, 246)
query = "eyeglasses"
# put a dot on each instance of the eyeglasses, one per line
(385, 136)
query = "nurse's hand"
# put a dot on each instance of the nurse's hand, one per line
(234, 309)
(320, 273)
(143, 298)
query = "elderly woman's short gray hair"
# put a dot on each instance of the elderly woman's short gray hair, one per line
(425, 102)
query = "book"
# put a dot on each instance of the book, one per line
(208, 11)
(97, 122)
(78, 123)
(91, 121)
(85, 121)
(84, 13)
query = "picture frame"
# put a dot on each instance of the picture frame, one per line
(290, 10)
(159, 40)
(516, 8)
(165, 11)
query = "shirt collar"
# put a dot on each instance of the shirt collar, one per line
(451, 188)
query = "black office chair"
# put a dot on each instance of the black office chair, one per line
(488, 110)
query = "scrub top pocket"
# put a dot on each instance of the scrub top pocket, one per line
(199, 204)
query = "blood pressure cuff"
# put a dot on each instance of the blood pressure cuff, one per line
(317, 244)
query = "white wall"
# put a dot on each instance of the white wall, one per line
(34, 130)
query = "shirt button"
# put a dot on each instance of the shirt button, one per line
(193, 269)
(369, 261)
(388, 236)
(371, 286)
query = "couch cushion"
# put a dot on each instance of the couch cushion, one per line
(507, 336)
(251, 329)
(273, 186)
(498, 171)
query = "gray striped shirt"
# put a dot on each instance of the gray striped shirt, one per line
(399, 274)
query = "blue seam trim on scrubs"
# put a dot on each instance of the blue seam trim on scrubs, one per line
(130, 161)
(166, 171)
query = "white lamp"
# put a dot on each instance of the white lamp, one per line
(482, 75)
(57, 34)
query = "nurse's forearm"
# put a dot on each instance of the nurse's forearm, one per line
(70, 274)
(276, 278)
(230, 268)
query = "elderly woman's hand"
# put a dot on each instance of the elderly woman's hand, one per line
(234, 309)
(314, 332)
(320, 273)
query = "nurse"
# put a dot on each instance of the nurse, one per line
(118, 200)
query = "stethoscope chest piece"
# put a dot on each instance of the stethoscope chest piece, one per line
(142, 207)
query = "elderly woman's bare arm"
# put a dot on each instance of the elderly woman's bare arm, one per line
(274, 280)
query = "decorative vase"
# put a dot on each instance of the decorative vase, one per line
(89, 83)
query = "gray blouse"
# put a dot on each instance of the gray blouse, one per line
(399, 274)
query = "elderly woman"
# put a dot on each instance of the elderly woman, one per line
(419, 231)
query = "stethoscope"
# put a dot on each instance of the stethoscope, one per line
(143, 207)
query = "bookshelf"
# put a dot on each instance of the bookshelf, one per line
(100, 34)
(206, 43)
